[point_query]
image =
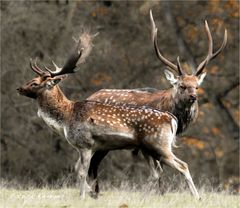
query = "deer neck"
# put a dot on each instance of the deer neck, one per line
(54, 108)
(185, 112)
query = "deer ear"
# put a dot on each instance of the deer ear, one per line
(56, 81)
(170, 77)
(52, 82)
(201, 78)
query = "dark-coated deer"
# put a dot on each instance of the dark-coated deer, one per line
(180, 99)
(91, 126)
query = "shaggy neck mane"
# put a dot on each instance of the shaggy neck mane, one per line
(54, 103)
(186, 113)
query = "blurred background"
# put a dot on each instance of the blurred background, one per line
(123, 57)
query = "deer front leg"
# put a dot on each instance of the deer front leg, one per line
(92, 172)
(83, 165)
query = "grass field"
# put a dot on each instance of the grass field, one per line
(68, 197)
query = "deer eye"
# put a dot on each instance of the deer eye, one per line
(34, 85)
(183, 87)
(197, 88)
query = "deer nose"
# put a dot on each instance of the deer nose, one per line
(19, 89)
(193, 97)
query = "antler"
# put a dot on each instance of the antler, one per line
(70, 64)
(180, 69)
(79, 53)
(36, 69)
(176, 68)
(210, 54)
(67, 68)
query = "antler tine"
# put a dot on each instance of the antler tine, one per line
(211, 55)
(210, 41)
(57, 69)
(154, 39)
(224, 43)
(180, 70)
(210, 50)
(35, 68)
(48, 70)
(153, 26)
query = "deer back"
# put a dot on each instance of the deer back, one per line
(113, 126)
(162, 100)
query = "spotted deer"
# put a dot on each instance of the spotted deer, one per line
(92, 126)
(180, 99)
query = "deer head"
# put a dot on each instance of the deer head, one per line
(47, 79)
(186, 85)
(39, 84)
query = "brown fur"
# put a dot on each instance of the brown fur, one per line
(55, 103)
(161, 99)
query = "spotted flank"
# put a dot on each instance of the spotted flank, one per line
(141, 119)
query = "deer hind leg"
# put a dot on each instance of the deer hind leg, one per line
(154, 165)
(171, 160)
(160, 167)
(83, 165)
(157, 169)
(76, 167)
(187, 174)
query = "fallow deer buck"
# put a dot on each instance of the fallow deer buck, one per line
(180, 99)
(91, 126)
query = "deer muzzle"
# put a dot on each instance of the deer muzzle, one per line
(192, 97)
(26, 93)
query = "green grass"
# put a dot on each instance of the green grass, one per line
(68, 197)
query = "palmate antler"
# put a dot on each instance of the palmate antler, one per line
(70, 64)
(79, 54)
(178, 67)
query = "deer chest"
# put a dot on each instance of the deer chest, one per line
(54, 124)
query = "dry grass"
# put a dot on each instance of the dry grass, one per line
(69, 197)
